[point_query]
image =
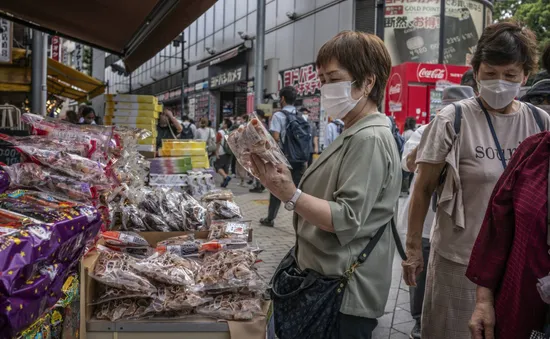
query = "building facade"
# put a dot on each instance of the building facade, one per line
(218, 54)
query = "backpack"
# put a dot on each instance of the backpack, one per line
(297, 141)
(186, 132)
(399, 140)
(457, 124)
(339, 126)
(225, 145)
(210, 142)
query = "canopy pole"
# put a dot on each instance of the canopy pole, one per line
(44, 75)
(38, 70)
(182, 113)
(259, 54)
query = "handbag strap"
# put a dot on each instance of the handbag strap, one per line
(363, 256)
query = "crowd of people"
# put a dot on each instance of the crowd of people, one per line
(476, 219)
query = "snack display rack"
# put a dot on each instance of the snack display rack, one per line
(79, 215)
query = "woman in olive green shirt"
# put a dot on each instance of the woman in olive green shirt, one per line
(351, 190)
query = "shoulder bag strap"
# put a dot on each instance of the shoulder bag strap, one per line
(493, 133)
(536, 115)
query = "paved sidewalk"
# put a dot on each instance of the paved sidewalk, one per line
(276, 241)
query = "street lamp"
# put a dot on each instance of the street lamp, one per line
(180, 42)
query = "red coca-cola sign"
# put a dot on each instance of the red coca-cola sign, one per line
(431, 73)
(395, 88)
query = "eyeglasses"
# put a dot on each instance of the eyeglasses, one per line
(538, 99)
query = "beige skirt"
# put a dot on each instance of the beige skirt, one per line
(449, 300)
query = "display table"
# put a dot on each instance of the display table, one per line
(192, 327)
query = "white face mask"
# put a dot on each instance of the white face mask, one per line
(498, 93)
(336, 99)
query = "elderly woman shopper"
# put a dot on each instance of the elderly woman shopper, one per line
(408, 162)
(461, 155)
(345, 201)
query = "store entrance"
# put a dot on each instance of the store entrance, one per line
(233, 99)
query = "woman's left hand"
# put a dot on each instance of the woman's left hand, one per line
(276, 178)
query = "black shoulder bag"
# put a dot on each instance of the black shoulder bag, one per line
(306, 303)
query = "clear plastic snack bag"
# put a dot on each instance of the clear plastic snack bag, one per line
(253, 138)
(232, 307)
(109, 293)
(114, 269)
(167, 268)
(218, 194)
(236, 230)
(221, 210)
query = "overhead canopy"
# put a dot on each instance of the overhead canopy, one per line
(134, 30)
(62, 80)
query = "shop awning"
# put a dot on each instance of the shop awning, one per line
(223, 56)
(134, 30)
(62, 80)
(70, 83)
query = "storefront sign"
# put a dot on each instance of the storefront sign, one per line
(56, 48)
(412, 30)
(6, 39)
(78, 57)
(228, 77)
(303, 78)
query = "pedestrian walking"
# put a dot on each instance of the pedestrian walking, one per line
(223, 153)
(314, 135)
(472, 141)
(168, 127)
(189, 130)
(280, 129)
(408, 162)
(344, 202)
(208, 135)
(334, 128)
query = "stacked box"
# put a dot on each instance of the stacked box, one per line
(137, 111)
(179, 165)
(195, 150)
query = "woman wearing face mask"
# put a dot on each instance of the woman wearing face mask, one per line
(461, 156)
(346, 199)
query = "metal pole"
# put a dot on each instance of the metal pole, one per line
(441, 57)
(259, 54)
(182, 74)
(36, 72)
(44, 78)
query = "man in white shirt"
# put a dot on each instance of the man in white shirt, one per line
(333, 131)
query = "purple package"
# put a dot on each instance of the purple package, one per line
(29, 299)
(4, 181)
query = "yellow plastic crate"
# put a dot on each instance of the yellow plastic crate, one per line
(149, 127)
(159, 107)
(145, 99)
(201, 164)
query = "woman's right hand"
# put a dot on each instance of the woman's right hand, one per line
(414, 264)
(482, 323)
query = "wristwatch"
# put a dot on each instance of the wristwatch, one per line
(291, 205)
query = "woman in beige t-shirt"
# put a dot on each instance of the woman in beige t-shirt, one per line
(491, 128)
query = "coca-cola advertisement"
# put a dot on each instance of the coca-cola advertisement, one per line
(412, 30)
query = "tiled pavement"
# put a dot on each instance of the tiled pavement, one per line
(275, 242)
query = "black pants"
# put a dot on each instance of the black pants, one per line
(417, 293)
(233, 164)
(352, 327)
(297, 171)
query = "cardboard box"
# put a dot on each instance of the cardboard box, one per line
(112, 112)
(145, 99)
(195, 327)
(131, 120)
(133, 106)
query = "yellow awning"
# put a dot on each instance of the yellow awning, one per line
(70, 83)
(62, 80)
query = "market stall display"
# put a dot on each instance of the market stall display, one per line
(193, 149)
(39, 257)
(136, 111)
